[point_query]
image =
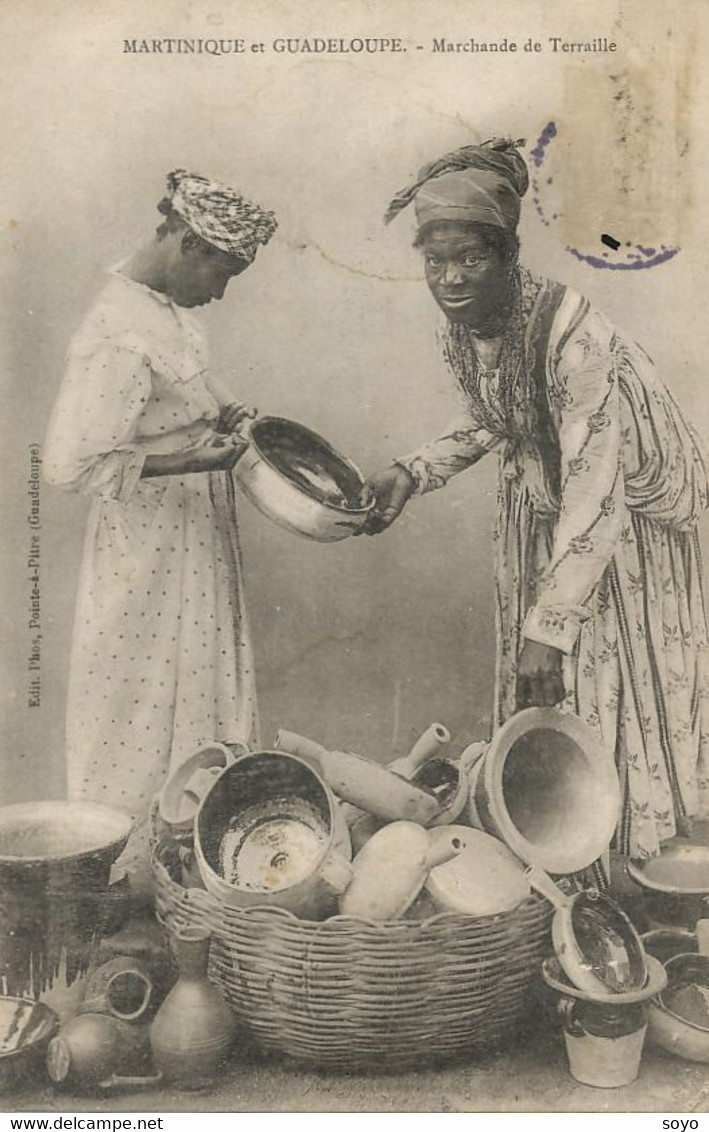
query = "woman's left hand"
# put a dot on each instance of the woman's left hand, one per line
(540, 681)
(231, 416)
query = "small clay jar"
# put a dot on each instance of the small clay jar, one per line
(121, 987)
(194, 1029)
(92, 1048)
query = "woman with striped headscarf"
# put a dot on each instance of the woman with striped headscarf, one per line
(161, 657)
(602, 481)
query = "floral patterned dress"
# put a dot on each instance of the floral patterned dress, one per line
(601, 485)
(161, 657)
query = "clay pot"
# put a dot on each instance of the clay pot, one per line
(392, 868)
(91, 1048)
(448, 781)
(595, 942)
(548, 789)
(426, 747)
(122, 987)
(194, 1029)
(271, 832)
(180, 796)
(604, 1033)
(55, 864)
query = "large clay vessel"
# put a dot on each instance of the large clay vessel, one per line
(194, 1029)
(548, 789)
(270, 831)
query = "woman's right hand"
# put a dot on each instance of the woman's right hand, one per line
(218, 456)
(392, 490)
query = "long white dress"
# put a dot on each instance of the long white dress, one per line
(161, 658)
(601, 485)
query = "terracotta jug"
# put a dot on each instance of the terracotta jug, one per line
(194, 1029)
(91, 1049)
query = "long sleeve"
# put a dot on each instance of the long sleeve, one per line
(584, 396)
(220, 391)
(90, 445)
(461, 444)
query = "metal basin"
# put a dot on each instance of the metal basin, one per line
(299, 481)
(675, 885)
(679, 1016)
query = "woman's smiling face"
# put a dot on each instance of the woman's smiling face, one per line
(467, 272)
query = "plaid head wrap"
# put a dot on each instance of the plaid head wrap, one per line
(480, 183)
(219, 215)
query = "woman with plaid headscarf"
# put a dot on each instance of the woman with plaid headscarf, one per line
(161, 658)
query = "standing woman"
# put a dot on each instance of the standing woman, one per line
(598, 573)
(161, 659)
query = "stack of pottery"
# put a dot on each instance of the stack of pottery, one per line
(605, 980)
(281, 827)
(118, 1040)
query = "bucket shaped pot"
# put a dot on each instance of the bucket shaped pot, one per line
(55, 862)
(270, 832)
(548, 788)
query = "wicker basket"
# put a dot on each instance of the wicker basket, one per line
(351, 995)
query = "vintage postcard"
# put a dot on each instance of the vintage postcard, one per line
(354, 406)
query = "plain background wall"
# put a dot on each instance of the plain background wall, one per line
(366, 642)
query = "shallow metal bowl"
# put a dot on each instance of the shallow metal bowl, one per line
(682, 869)
(679, 1016)
(675, 885)
(299, 481)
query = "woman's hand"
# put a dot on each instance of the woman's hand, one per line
(392, 490)
(218, 456)
(231, 416)
(540, 681)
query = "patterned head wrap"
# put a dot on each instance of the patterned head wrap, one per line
(219, 215)
(480, 183)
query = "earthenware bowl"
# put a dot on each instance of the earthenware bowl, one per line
(25, 1030)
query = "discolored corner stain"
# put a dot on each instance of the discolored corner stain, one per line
(618, 157)
(12, 224)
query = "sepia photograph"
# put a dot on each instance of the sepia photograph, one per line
(356, 662)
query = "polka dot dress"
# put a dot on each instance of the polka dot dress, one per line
(161, 658)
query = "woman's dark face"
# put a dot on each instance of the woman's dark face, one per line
(468, 278)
